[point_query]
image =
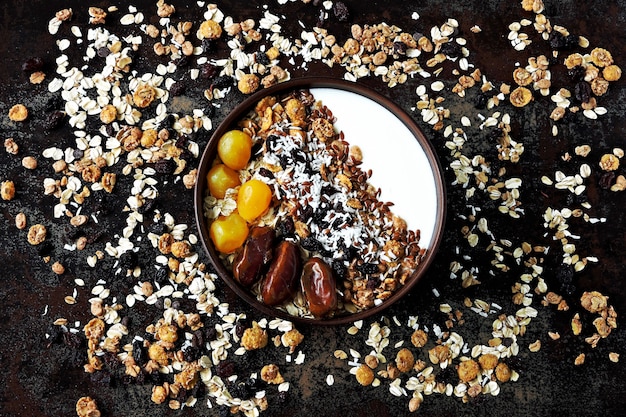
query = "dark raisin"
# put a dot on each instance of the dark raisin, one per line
(109, 130)
(339, 268)
(210, 334)
(102, 378)
(209, 111)
(103, 52)
(223, 81)
(262, 58)
(306, 213)
(481, 101)
(45, 249)
(399, 48)
(209, 46)
(139, 353)
(208, 71)
(128, 260)
(266, 172)
(148, 205)
(72, 340)
(285, 226)
(451, 49)
(571, 41)
(191, 353)
(197, 339)
(182, 62)
(182, 141)
(54, 120)
(577, 73)
(165, 166)
(55, 334)
(198, 391)
(282, 397)
(606, 180)
(240, 328)
(448, 375)
(417, 35)
(225, 369)
(158, 228)
(311, 244)
(367, 268)
(582, 91)
(33, 64)
(78, 153)
(341, 11)
(161, 276)
(177, 89)
(372, 283)
(556, 40)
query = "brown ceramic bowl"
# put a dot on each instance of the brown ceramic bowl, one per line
(403, 163)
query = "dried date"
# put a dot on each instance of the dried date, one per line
(281, 278)
(255, 256)
(319, 287)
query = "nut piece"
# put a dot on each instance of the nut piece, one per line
(419, 338)
(364, 375)
(10, 146)
(87, 407)
(29, 162)
(254, 337)
(7, 190)
(20, 221)
(36, 234)
(520, 97)
(609, 162)
(601, 57)
(593, 301)
(58, 268)
(612, 73)
(271, 374)
(144, 95)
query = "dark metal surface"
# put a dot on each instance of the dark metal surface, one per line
(42, 380)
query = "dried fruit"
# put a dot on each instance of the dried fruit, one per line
(253, 199)
(319, 287)
(228, 233)
(281, 278)
(255, 256)
(220, 179)
(234, 149)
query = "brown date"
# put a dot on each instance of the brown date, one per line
(281, 278)
(256, 254)
(319, 287)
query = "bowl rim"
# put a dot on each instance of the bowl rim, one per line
(248, 104)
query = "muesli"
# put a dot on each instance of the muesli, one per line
(302, 187)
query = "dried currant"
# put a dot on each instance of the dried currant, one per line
(33, 64)
(582, 91)
(53, 120)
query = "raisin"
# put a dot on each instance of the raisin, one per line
(103, 52)
(102, 378)
(339, 268)
(451, 49)
(571, 41)
(165, 166)
(53, 120)
(158, 228)
(33, 64)
(223, 81)
(225, 369)
(311, 244)
(577, 73)
(55, 334)
(341, 11)
(266, 173)
(78, 153)
(367, 268)
(208, 71)
(182, 62)
(285, 227)
(139, 353)
(262, 58)
(210, 334)
(399, 48)
(282, 397)
(209, 46)
(177, 89)
(128, 260)
(481, 101)
(582, 91)
(606, 180)
(556, 40)
(191, 353)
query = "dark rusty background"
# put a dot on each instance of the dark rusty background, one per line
(39, 381)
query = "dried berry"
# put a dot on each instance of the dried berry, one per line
(225, 369)
(177, 89)
(33, 64)
(451, 49)
(209, 46)
(582, 91)
(223, 81)
(367, 268)
(577, 73)
(165, 166)
(54, 120)
(262, 58)
(128, 260)
(341, 12)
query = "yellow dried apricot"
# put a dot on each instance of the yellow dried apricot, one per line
(228, 233)
(234, 149)
(253, 199)
(220, 179)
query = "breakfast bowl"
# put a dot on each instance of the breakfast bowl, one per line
(319, 201)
